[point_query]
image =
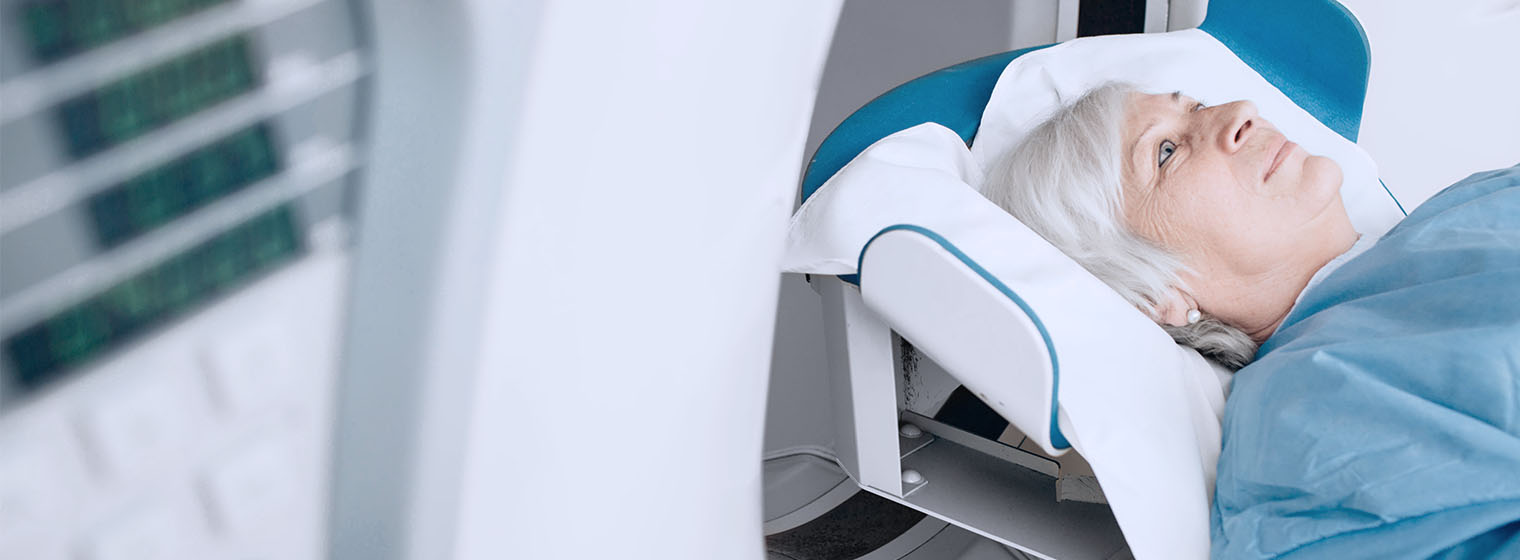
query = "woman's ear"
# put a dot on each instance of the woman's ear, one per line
(1173, 308)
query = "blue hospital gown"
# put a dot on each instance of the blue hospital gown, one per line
(1382, 420)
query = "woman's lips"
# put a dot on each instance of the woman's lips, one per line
(1283, 152)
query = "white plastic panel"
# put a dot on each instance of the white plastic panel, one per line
(1066, 19)
(37, 492)
(140, 428)
(1156, 16)
(661, 141)
(1185, 14)
(964, 324)
(250, 490)
(864, 390)
(155, 531)
(1010, 505)
(249, 366)
(1441, 96)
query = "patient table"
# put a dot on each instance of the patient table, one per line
(912, 435)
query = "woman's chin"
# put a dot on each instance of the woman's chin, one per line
(1323, 175)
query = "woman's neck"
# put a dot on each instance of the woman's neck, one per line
(1258, 303)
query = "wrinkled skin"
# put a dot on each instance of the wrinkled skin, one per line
(1252, 215)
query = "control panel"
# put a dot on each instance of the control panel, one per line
(176, 181)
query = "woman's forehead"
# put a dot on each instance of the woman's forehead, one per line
(1142, 105)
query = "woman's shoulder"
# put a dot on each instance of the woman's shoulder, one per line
(1459, 252)
(1499, 187)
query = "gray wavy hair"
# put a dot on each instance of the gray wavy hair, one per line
(1065, 182)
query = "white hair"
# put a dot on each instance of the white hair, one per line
(1065, 182)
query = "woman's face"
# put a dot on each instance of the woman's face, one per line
(1226, 191)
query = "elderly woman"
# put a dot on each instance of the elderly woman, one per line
(1380, 417)
(1206, 217)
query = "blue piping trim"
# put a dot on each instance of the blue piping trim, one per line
(1395, 198)
(1057, 439)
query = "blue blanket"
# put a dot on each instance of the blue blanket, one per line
(1382, 420)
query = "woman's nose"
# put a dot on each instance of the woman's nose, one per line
(1238, 121)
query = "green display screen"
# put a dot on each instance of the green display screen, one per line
(47, 350)
(58, 28)
(145, 101)
(159, 195)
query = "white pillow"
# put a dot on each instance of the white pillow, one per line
(1036, 84)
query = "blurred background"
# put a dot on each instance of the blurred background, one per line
(469, 278)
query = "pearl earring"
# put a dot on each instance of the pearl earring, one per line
(1193, 316)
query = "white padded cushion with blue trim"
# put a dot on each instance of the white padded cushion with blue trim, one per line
(1142, 410)
(1191, 61)
(915, 174)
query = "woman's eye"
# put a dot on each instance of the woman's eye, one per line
(1167, 148)
(1198, 107)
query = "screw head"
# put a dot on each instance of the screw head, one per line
(910, 431)
(910, 476)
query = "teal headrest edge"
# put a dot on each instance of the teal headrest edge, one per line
(953, 97)
(1315, 51)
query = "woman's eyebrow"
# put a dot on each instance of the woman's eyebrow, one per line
(1134, 147)
(1184, 102)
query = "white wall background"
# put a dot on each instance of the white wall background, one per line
(1442, 101)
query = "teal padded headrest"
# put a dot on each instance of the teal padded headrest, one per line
(954, 97)
(1314, 51)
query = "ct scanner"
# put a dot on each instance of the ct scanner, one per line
(458, 279)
